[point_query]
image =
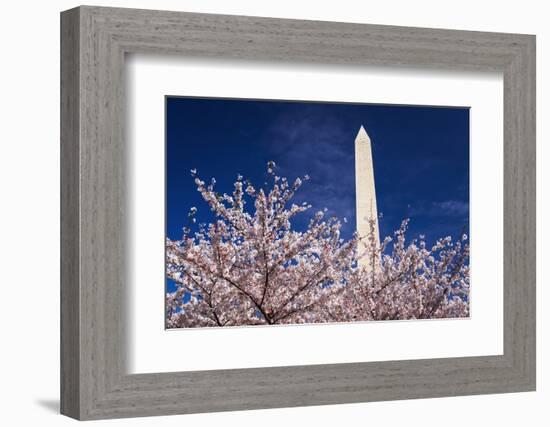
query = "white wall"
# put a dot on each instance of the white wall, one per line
(29, 225)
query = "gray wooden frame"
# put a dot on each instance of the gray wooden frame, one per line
(94, 382)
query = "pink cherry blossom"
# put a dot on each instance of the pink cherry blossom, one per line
(250, 267)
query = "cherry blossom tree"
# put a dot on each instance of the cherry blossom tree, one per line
(250, 267)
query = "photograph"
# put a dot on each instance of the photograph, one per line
(285, 212)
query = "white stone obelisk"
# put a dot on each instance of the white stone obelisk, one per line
(365, 192)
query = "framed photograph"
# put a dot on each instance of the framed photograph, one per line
(262, 213)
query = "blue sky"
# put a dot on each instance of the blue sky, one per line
(421, 158)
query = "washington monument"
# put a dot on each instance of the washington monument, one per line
(365, 192)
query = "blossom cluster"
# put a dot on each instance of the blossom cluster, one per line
(250, 267)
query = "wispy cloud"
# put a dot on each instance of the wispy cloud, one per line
(445, 208)
(323, 149)
(455, 208)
